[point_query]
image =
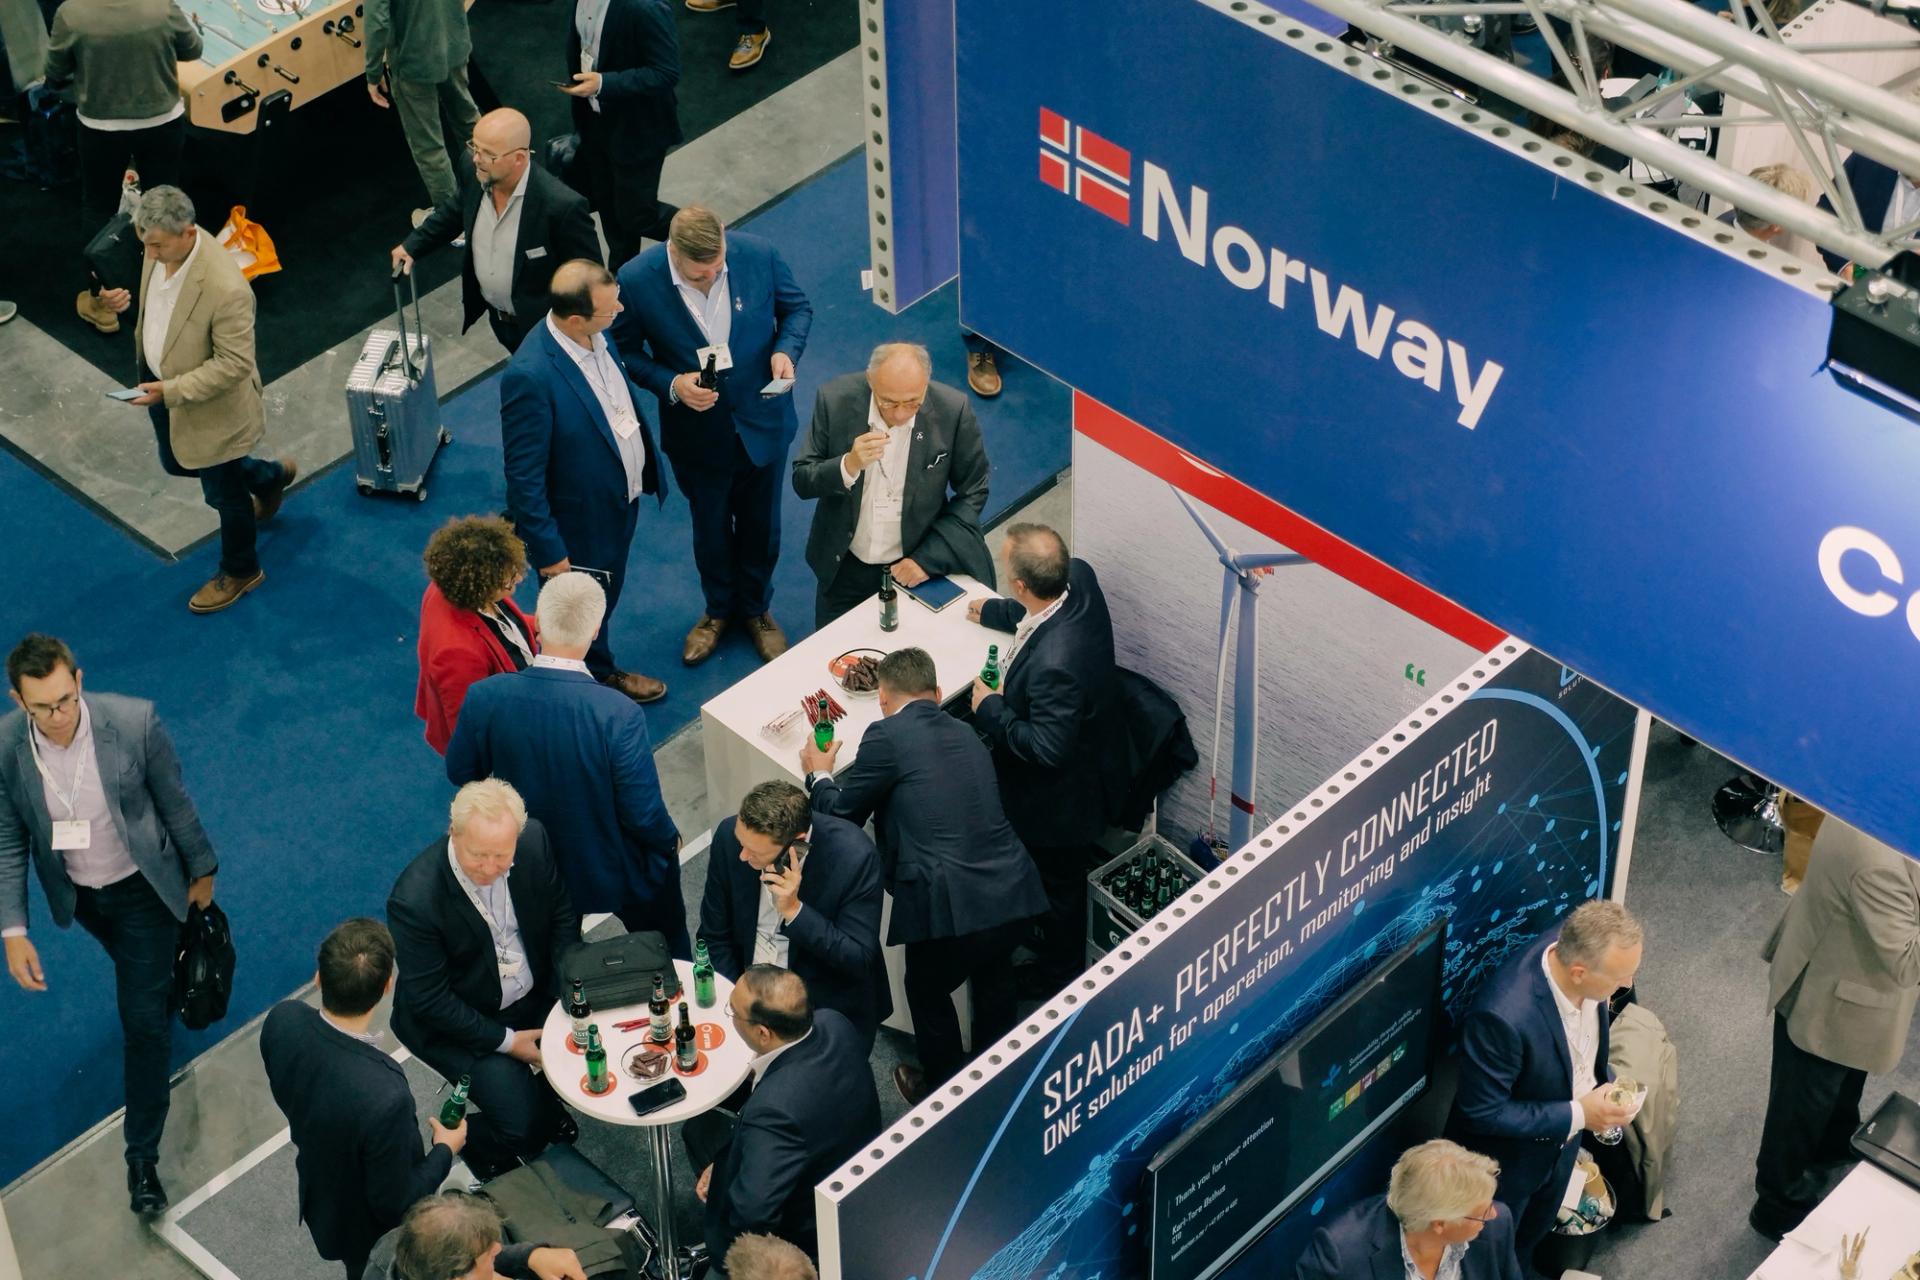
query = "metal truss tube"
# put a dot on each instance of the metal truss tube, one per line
(1542, 96)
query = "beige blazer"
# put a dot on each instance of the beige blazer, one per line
(212, 382)
(1846, 955)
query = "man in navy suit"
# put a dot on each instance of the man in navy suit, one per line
(481, 921)
(356, 1139)
(802, 891)
(1053, 723)
(707, 298)
(1533, 1061)
(812, 1106)
(578, 452)
(624, 57)
(579, 755)
(1438, 1219)
(964, 888)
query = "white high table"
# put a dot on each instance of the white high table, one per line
(727, 1064)
(1866, 1197)
(740, 757)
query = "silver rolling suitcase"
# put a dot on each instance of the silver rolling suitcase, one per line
(394, 405)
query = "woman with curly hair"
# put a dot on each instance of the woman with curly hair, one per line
(470, 628)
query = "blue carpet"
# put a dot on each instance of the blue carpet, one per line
(293, 712)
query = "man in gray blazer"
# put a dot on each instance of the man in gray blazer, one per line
(1846, 971)
(881, 456)
(91, 795)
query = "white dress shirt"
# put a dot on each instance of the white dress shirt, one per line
(764, 1060)
(1449, 1268)
(876, 532)
(1903, 205)
(1581, 1023)
(1024, 628)
(70, 782)
(163, 294)
(560, 664)
(590, 20)
(494, 242)
(770, 942)
(363, 1037)
(494, 902)
(712, 311)
(609, 385)
(171, 114)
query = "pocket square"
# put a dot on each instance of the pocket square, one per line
(938, 458)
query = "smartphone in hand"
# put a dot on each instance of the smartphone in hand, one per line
(778, 387)
(125, 394)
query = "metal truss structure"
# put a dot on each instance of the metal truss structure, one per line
(1765, 80)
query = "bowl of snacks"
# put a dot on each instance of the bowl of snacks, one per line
(857, 671)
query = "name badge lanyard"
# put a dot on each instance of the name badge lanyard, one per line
(71, 798)
(508, 962)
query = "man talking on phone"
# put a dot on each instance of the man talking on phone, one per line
(898, 467)
(790, 887)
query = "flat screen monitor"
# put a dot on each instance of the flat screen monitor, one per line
(1264, 1147)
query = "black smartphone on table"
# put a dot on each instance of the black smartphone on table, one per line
(656, 1096)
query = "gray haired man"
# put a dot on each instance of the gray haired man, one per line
(899, 469)
(200, 384)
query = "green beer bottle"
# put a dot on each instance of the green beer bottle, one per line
(597, 1081)
(822, 725)
(703, 993)
(990, 674)
(454, 1109)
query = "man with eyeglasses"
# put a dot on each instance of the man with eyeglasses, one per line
(899, 469)
(578, 453)
(518, 223)
(91, 795)
(1534, 1061)
(1437, 1221)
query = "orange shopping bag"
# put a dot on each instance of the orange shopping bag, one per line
(249, 244)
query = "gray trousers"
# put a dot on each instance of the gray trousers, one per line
(419, 103)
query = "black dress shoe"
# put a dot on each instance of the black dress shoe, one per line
(1765, 1223)
(567, 1131)
(911, 1083)
(145, 1195)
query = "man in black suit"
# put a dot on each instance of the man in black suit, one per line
(462, 1229)
(624, 59)
(1052, 724)
(518, 223)
(881, 454)
(812, 1106)
(963, 886)
(481, 921)
(752, 912)
(355, 1137)
(1438, 1218)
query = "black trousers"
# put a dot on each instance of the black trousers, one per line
(705, 1137)
(1063, 933)
(626, 192)
(752, 15)
(105, 155)
(736, 529)
(511, 332)
(517, 1110)
(1535, 1208)
(935, 970)
(228, 487)
(854, 581)
(1813, 1108)
(608, 554)
(141, 936)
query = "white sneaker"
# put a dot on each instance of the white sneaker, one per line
(8, 310)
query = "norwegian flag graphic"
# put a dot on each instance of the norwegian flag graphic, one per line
(1078, 162)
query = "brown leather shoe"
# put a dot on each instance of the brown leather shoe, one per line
(223, 591)
(96, 313)
(749, 49)
(911, 1083)
(769, 641)
(702, 639)
(709, 6)
(265, 509)
(639, 688)
(982, 376)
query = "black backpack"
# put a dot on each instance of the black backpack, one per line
(203, 967)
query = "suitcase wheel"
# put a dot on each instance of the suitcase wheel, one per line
(366, 490)
(420, 494)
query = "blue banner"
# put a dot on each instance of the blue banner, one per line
(1498, 806)
(1607, 437)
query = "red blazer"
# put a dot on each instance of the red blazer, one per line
(457, 648)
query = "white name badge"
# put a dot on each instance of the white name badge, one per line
(76, 834)
(624, 425)
(887, 505)
(723, 356)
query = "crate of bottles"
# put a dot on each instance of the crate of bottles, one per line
(1125, 893)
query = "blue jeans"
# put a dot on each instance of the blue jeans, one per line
(141, 936)
(228, 488)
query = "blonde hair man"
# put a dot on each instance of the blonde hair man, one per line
(1438, 1220)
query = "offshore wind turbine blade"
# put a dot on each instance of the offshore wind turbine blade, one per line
(1224, 551)
(1269, 560)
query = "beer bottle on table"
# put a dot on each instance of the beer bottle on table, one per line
(686, 1053)
(597, 1081)
(659, 1028)
(454, 1109)
(579, 1011)
(822, 725)
(889, 602)
(710, 372)
(702, 975)
(990, 674)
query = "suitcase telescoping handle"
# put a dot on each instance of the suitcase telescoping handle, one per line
(400, 314)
